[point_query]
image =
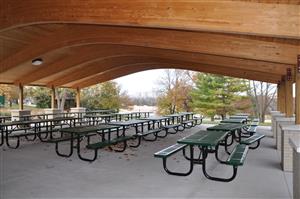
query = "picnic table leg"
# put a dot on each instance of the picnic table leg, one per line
(196, 161)
(79, 154)
(255, 147)
(139, 138)
(7, 141)
(2, 138)
(179, 173)
(27, 137)
(217, 155)
(71, 149)
(216, 178)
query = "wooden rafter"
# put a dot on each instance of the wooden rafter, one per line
(246, 47)
(122, 70)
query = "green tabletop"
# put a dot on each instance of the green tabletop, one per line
(241, 120)
(87, 129)
(156, 118)
(204, 138)
(226, 127)
(128, 123)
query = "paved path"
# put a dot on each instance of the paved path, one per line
(35, 171)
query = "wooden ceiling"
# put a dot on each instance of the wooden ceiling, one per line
(87, 42)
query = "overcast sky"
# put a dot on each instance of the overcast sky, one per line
(140, 83)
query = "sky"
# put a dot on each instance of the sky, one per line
(143, 83)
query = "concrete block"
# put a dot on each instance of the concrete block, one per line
(288, 132)
(53, 113)
(17, 115)
(295, 143)
(281, 121)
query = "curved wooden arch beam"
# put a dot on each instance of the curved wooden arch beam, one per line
(243, 17)
(91, 53)
(115, 61)
(133, 68)
(247, 47)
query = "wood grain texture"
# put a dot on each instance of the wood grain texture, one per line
(82, 40)
(242, 17)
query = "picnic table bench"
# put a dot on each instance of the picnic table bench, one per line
(206, 141)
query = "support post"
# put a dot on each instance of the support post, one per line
(21, 97)
(297, 98)
(77, 97)
(278, 97)
(52, 97)
(282, 95)
(289, 101)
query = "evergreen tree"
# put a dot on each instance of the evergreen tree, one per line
(216, 95)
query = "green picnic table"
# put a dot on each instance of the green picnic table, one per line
(231, 127)
(160, 120)
(31, 129)
(78, 132)
(140, 132)
(207, 142)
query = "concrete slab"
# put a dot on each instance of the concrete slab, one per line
(35, 171)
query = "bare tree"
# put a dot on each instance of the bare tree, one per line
(262, 95)
(174, 86)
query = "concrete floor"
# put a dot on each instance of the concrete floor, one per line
(35, 171)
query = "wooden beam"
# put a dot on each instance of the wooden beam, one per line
(82, 55)
(242, 17)
(21, 97)
(52, 97)
(133, 68)
(289, 101)
(245, 47)
(297, 74)
(112, 62)
(78, 97)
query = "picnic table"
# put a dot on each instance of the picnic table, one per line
(187, 115)
(142, 114)
(207, 142)
(95, 119)
(32, 128)
(140, 133)
(160, 120)
(132, 123)
(78, 132)
(176, 117)
(4, 119)
(232, 127)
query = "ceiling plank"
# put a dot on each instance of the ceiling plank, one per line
(246, 47)
(89, 54)
(242, 17)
